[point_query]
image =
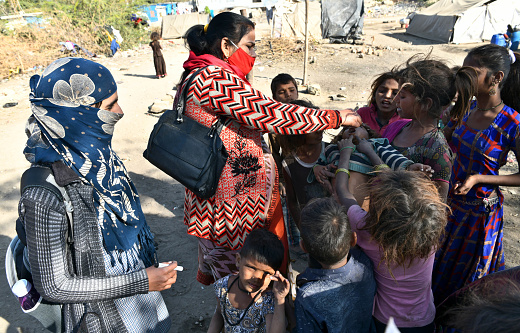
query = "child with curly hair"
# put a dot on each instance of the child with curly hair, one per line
(426, 87)
(400, 233)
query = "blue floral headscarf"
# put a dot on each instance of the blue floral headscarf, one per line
(65, 126)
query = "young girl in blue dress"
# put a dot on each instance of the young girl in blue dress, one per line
(481, 140)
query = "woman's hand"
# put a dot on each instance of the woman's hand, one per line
(350, 117)
(463, 188)
(162, 278)
(428, 171)
(281, 287)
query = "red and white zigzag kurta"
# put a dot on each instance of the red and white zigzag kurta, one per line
(241, 203)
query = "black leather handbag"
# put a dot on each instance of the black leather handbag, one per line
(188, 151)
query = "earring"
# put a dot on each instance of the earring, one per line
(493, 91)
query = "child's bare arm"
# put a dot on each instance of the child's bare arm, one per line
(346, 198)
(217, 322)
(366, 148)
(275, 323)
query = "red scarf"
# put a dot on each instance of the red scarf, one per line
(198, 61)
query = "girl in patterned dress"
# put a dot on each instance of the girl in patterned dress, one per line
(426, 87)
(247, 196)
(482, 139)
(244, 302)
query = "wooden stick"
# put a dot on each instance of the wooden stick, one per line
(306, 55)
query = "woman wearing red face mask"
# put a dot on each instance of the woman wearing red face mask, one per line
(247, 197)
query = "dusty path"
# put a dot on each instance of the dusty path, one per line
(162, 197)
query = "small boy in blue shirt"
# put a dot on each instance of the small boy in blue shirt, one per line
(336, 293)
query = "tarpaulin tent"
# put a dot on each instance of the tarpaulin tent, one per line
(175, 26)
(465, 21)
(292, 18)
(341, 19)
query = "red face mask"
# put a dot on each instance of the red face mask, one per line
(242, 60)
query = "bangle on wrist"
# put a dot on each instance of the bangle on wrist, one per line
(353, 148)
(342, 170)
(380, 167)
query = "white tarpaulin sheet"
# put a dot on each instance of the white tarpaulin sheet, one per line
(293, 21)
(465, 21)
(175, 26)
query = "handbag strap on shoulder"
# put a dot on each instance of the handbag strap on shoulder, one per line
(181, 102)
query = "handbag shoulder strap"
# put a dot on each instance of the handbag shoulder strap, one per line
(181, 102)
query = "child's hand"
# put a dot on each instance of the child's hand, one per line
(323, 173)
(328, 186)
(346, 143)
(320, 173)
(428, 171)
(281, 287)
(348, 132)
(463, 188)
(364, 146)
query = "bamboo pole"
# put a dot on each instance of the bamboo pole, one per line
(306, 55)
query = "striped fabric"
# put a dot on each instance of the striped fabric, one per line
(241, 203)
(472, 247)
(359, 162)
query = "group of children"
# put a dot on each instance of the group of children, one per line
(374, 230)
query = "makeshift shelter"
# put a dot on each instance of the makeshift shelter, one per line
(338, 18)
(342, 19)
(175, 26)
(464, 21)
(290, 19)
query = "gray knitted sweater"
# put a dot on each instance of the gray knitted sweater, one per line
(74, 277)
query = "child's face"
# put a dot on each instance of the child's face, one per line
(407, 105)
(253, 275)
(385, 96)
(483, 81)
(359, 132)
(286, 93)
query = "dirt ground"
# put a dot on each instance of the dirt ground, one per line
(191, 305)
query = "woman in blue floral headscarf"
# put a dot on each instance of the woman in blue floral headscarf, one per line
(105, 277)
